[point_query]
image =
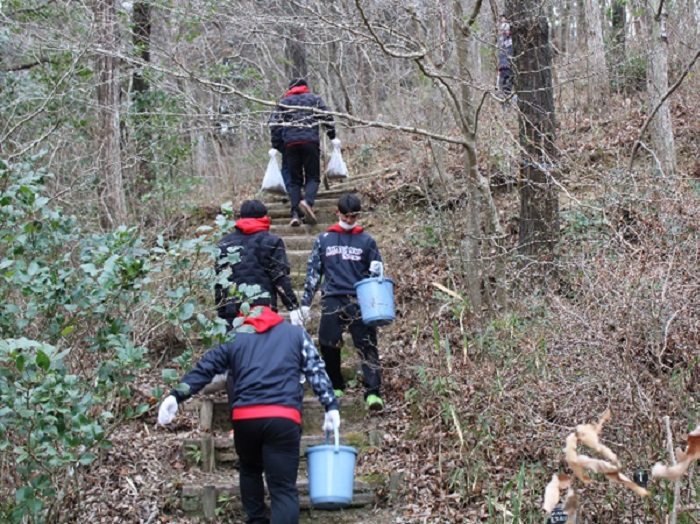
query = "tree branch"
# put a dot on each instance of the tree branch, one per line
(657, 16)
(472, 18)
(23, 67)
(676, 484)
(659, 104)
(380, 42)
(231, 90)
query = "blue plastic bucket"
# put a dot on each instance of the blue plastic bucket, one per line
(331, 474)
(376, 298)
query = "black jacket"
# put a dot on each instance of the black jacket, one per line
(294, 126)
(263, 262)
(266, 364)
(339, 258)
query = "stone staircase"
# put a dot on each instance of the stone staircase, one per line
(211, 489)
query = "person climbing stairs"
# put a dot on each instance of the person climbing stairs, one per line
(211, 485)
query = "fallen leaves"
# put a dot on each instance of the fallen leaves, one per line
(684, 458)
(626, 481)
(587, 434)
(551, 492)
(609, 465)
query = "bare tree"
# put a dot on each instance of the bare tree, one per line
(657, 86)
(618, 41)
(107, 124)
(296, 53)
(599, 81)
(539, 204)
(140, 88)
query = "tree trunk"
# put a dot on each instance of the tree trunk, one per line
(564, 27)
(539, 204)
(657, 85)
(107, 132)
(470, 247)
(295, 53)
(599, 79)
(140, 89)
(480, 202)
(618, 52)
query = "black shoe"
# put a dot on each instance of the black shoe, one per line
(308, 213)
(295, 222)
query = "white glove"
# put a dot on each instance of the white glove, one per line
(295, 317)
(299, 316)
(331, 422)
(376, 267)
(336, 142)
(273, 153)
(167, 410)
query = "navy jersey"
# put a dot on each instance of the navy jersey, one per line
(338, 260)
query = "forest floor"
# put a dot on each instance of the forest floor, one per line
(479, 405)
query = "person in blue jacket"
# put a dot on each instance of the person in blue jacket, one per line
(266, 360)
(341, 256)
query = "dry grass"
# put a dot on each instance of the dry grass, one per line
(481, 405)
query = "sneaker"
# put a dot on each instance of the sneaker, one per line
(374, 402)
(338, 393)
(295, 222)
(308, 212)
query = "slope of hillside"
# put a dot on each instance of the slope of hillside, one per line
(480, 402)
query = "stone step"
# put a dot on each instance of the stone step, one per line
(325, 204)
(298, 258)
(228, 494)
(281, 217)
(299, 243)
(225, 455)
(284, 230)
(297, 276)
(337, 188)
(214, 413)
(335, 192)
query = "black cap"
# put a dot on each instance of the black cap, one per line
(253, 209)
(295, 82)
(349, 205)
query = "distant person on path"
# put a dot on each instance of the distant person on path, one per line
(341, 256)
(505, 55)
(296, 133)
(266, 364)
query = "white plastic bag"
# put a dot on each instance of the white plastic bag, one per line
(273, 182)
(336, 165)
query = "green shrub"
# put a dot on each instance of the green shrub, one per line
(77, 312)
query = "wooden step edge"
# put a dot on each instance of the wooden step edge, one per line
(226, 443)
(193, 504)
(233, 488)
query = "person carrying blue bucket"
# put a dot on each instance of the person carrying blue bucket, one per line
(342, 256)
(265, 360)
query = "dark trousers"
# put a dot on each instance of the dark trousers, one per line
(304, 161)
(269, 445)
(337, 315)
(286, 175)
(505, 81)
